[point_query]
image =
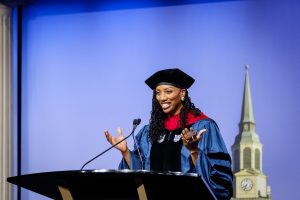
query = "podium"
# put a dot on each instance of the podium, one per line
(115, 185)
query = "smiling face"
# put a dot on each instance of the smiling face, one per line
(169, 98)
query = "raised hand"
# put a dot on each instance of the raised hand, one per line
(113, 140)
(190, 139)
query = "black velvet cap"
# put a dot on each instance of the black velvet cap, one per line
(174, 77)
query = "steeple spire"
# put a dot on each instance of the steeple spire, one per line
(247, 111)
(247, 124)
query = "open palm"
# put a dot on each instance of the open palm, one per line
(114, 140)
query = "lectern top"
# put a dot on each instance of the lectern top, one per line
(103, 183)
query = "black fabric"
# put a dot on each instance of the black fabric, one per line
(174, 77)
(223, 169)
(219, 156)
(165, 153)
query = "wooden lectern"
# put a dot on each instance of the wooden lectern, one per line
(115, 185)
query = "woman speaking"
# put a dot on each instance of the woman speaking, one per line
(179, 137)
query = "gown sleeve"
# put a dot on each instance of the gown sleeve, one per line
(137, 163)
(214, 162)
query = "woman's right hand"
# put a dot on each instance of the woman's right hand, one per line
(114, 140)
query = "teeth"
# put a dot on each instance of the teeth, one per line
(164, 105)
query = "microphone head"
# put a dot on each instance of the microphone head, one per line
(136, 121)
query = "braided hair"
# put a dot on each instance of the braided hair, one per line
(157, 116)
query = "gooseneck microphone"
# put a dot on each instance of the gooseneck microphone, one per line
(138, 149)
(136, 122)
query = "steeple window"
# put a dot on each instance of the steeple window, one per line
(257, 159)
(247, 158)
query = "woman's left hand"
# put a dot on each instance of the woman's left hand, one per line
(190, 139)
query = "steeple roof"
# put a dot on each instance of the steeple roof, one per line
(247, 125)
(247, 111)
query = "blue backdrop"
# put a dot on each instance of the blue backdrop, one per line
(84, 66)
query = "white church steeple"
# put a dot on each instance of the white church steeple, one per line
(249, 180)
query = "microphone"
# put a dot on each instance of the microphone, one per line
(136, 122)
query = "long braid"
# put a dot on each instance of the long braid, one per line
(156, 120)
(187, 107)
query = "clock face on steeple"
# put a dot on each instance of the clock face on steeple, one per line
(246, 184)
